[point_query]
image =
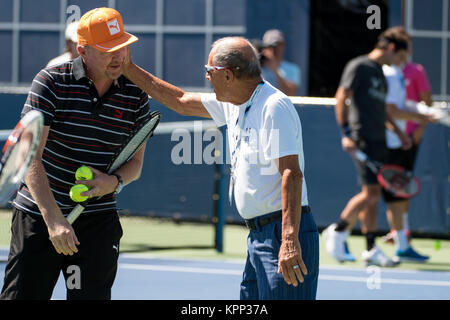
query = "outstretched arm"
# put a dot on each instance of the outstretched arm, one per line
(184, 103)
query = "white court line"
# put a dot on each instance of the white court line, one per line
(383, 270)
(236, 261)
(410, 282)
(167, 268)
(178, 269)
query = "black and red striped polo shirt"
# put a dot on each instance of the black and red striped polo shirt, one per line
(85, 129)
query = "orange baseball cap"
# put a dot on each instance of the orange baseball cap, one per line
(102, 29)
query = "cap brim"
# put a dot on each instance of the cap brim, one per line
(117, 43)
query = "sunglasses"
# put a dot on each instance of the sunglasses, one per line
(209, 68)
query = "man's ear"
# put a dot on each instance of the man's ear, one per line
(229, 76)
(82, 50)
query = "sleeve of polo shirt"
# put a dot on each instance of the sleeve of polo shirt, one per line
(393, 89)
(42, 96)
(143, 107)
(214, 108)
(423, 85)
(349, 76)
(280, 131)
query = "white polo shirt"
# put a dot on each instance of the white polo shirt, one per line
(396, 95)
(271, 130)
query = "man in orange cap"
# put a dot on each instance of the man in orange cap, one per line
(89, 108)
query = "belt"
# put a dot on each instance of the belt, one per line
(261, 221)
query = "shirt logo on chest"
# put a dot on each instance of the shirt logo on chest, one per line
(118, 114)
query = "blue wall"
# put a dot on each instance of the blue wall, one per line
(186, 191)
(292, 18)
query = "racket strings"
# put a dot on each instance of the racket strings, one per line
(136, 139)
(399, 181)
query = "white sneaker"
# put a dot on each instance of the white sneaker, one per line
(378, 258)
(335, 242)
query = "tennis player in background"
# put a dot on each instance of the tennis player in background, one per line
(418, 89)
(283, 243)
(89, 109)
(361, 113)
(396, 108)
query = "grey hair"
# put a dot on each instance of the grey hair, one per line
(243, 63)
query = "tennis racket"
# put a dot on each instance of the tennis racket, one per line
(18, 152)
(395, 179)
(134, 142)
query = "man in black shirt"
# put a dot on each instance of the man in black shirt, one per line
(89, 110)
(361, 114)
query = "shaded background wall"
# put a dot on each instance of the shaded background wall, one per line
(175, 38)
(186, 191)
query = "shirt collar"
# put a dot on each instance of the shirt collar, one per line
(78, 68)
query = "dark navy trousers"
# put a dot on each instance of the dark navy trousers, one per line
(261, 280)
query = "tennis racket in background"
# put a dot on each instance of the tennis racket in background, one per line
(18, 152)
(395, 179)
(134, 142)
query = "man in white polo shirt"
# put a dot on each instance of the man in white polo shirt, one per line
(265, 141)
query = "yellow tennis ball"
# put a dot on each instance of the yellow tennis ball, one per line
(84, 173)
(437, 245)
(75, 192)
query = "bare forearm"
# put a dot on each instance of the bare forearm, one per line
(158, 89)
(427, 98)
(291, 190)
(39, 187)
(131, 171)
(396, 113)
(341, 109)
(184, 103)
(286, 86)
(391, 125)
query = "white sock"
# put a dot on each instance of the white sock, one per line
(405, 221)
(401, 241)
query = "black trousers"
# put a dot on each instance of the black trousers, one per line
(34, 266)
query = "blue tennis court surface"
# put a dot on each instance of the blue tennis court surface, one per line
(153, 278)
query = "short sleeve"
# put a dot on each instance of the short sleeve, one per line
(423, 85)
(392, 91)
(214, 108)
(42, 97)
(292, 72)
(280, 130)
(349, 76)
(143, 107)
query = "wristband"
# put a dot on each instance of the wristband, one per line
(119, 186)
(346, 131)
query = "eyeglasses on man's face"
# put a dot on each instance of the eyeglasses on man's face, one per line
(209, 68)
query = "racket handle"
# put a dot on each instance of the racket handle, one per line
(75, 213)
(361, 156)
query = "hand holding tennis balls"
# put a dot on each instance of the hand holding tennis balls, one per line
(82, 173)
(97, 182)
(75, 193)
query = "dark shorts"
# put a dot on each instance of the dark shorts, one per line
(33, 265)
(376, 151)
(403, 158)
